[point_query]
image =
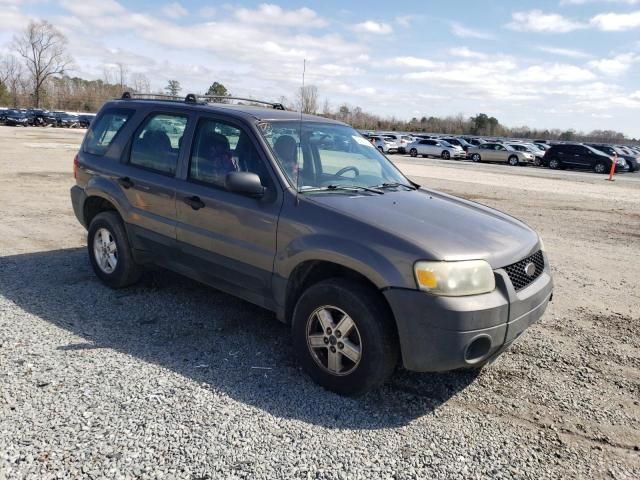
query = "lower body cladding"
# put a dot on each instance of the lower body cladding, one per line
(445, 333)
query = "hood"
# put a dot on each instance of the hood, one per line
(442, 226)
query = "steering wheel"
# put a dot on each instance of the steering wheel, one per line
(344, 170)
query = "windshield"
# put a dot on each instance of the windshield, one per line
(322, 156)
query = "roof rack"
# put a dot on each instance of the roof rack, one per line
(193, 98)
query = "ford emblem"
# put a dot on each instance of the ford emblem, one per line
(530, 269)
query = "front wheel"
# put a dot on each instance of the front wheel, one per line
(537, 162)
(413, 152)
(554, 164)
(109, 251)
(344, 337)
(475, 157)
(513, 161)
(600, 167)
(445, 155)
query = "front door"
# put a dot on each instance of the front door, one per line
(228, 239)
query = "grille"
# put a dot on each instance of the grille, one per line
(516, 273)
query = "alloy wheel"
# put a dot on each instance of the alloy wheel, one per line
(105, 250)
(333, 340)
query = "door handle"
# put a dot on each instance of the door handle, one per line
(194, 202)
(125, 182)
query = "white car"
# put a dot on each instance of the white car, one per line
(436, 148)
(403, 141)
(385, 145)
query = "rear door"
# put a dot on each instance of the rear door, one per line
(226, 239)
(147, 179)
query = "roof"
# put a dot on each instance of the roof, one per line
(239, 111)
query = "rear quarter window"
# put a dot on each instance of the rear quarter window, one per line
(103, 130)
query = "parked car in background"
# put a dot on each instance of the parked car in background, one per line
(459, 141)
(85, 119)
(476, 141)
(529, 147)
(436, 148)
(16, 118)
(402, 141)
(496, 152)
(575, 155)
(385, 145)
(632, 160)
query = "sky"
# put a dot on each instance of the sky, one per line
(543, 63)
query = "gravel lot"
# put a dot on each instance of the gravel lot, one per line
(171, 379)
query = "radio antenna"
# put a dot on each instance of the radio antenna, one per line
(302, 98)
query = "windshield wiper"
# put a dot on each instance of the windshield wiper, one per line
(353, 188)
(393, 185)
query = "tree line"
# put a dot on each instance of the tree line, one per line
(36, 74)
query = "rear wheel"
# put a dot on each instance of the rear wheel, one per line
(445, 155)
(600, 167)
(109, 251)
(344, 337)
(413, 152)
(513, 161)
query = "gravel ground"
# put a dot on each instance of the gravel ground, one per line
(171, 379)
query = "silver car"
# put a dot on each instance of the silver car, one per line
(497, 152)
(436, 148)
(403, 141)
(537, 153)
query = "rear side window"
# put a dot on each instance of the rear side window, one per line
(156, 145)
(104, 129)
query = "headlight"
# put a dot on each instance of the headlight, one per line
(468, 277)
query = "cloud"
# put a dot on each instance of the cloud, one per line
(270, 14)
(538, 21)
(465, 52)
(584, 2)
(404, 20)
(616, 22)
(92, 8)
(563, 52)
(174, 10)
(615, 66)
(207, 12)
(464, 32)
(373, 27)
(413, 62)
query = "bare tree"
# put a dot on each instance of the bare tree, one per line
(140, 83)
(308, 99)
(122, 70)
(12, 77)
(44, 50)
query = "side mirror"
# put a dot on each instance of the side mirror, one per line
(244, 183)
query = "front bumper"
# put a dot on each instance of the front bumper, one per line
(446, 333)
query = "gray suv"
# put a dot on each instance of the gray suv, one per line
(303, 216)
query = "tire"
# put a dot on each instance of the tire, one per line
(513, 161)
(445, 155)
(600, 167)
(554, 164)
(537, 162)
(413, 152)
(372, 339)
(475, 157)
(106, 230)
